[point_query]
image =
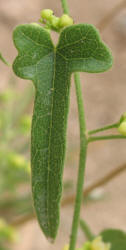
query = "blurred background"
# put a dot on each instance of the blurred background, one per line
(105, 100)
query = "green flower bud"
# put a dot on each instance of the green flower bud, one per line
(87, 246)
(47, 14)
(55, 22)
(65, 20)
(98, 244)
(122, 128)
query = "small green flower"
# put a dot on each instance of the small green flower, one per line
(98, 244)
(47, 14)
(55, 22)
(122, 124)
(122, 128)
(65, 20)
(87, 246)
(52, 22)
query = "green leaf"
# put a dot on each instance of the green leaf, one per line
(116, 237)
(50, 69)
(82, 47)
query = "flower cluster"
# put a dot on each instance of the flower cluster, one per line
(96, 244)
(122, 125)
(54, 23)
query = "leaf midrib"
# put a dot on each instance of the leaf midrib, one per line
(50, 136)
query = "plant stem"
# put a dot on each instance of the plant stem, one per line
(106, 137)
(80, 104)
(86, 229)
(91, 132)
(4, 60)
(82, 161)
(83, 152)
(65, 7)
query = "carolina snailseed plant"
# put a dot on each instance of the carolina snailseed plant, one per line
(50, 69)
(79, 49)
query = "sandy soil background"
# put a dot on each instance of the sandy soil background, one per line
(105, 100)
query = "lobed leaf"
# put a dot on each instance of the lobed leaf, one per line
(50, 69)
(81, 45)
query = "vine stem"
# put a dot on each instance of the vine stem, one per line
(83, 152)
(86, 229)
(106, 137)
(82, 163)
(65, 7)
(91, 132)
(4, 60)
(83, 149)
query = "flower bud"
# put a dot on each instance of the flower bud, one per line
(98, 244)
(87, 246)
(65, 20)
(55, 22)
(47, 14)
(122, 128)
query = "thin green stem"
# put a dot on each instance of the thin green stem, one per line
(106, 137)
(80, 104)
(81, 171)
(83, 152)
(4, 60)
(91, 132)
(86, 229)
(65, 7)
